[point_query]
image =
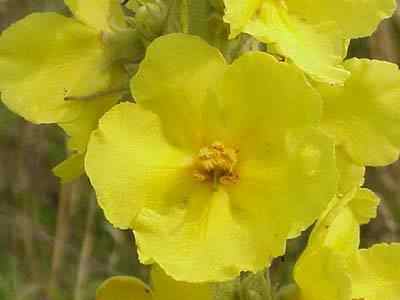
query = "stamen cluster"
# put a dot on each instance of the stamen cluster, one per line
(215, 163)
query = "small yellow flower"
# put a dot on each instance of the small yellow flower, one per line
(217, 165)
(163, 287)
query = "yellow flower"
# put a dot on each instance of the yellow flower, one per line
(217, 165)
(47, 59)
(334, 268)
(163, 287)
(63, 70)
(312, 34)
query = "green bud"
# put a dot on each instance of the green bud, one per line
(149, 19)
(124, 45)
(288, 292)
(218, 5)
(255, 286)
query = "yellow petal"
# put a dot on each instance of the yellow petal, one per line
(363, 115)
(71, 168)
(174, 80)
(322, 274)
(344, 233)
(197, 235)
(339, 226)
(318, 49)
(103, 15)
(261, 131)
(79, 131)
(259, 99)
(323, 270)
(375, 273)
(40, 68)
(364, 205)
(238, 13)
(354, 18)
(80, 128)
(129, 162)
(166, 288)
(337, 229)
(123, 288)
(301, 168)
(351, 176)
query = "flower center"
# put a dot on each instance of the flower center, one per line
(215, 164)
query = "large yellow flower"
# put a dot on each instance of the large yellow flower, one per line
(217, 165)
(312, 34)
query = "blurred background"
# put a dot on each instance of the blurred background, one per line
(54, 241)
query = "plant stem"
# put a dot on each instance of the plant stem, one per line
(268, 285)
(87, 247)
